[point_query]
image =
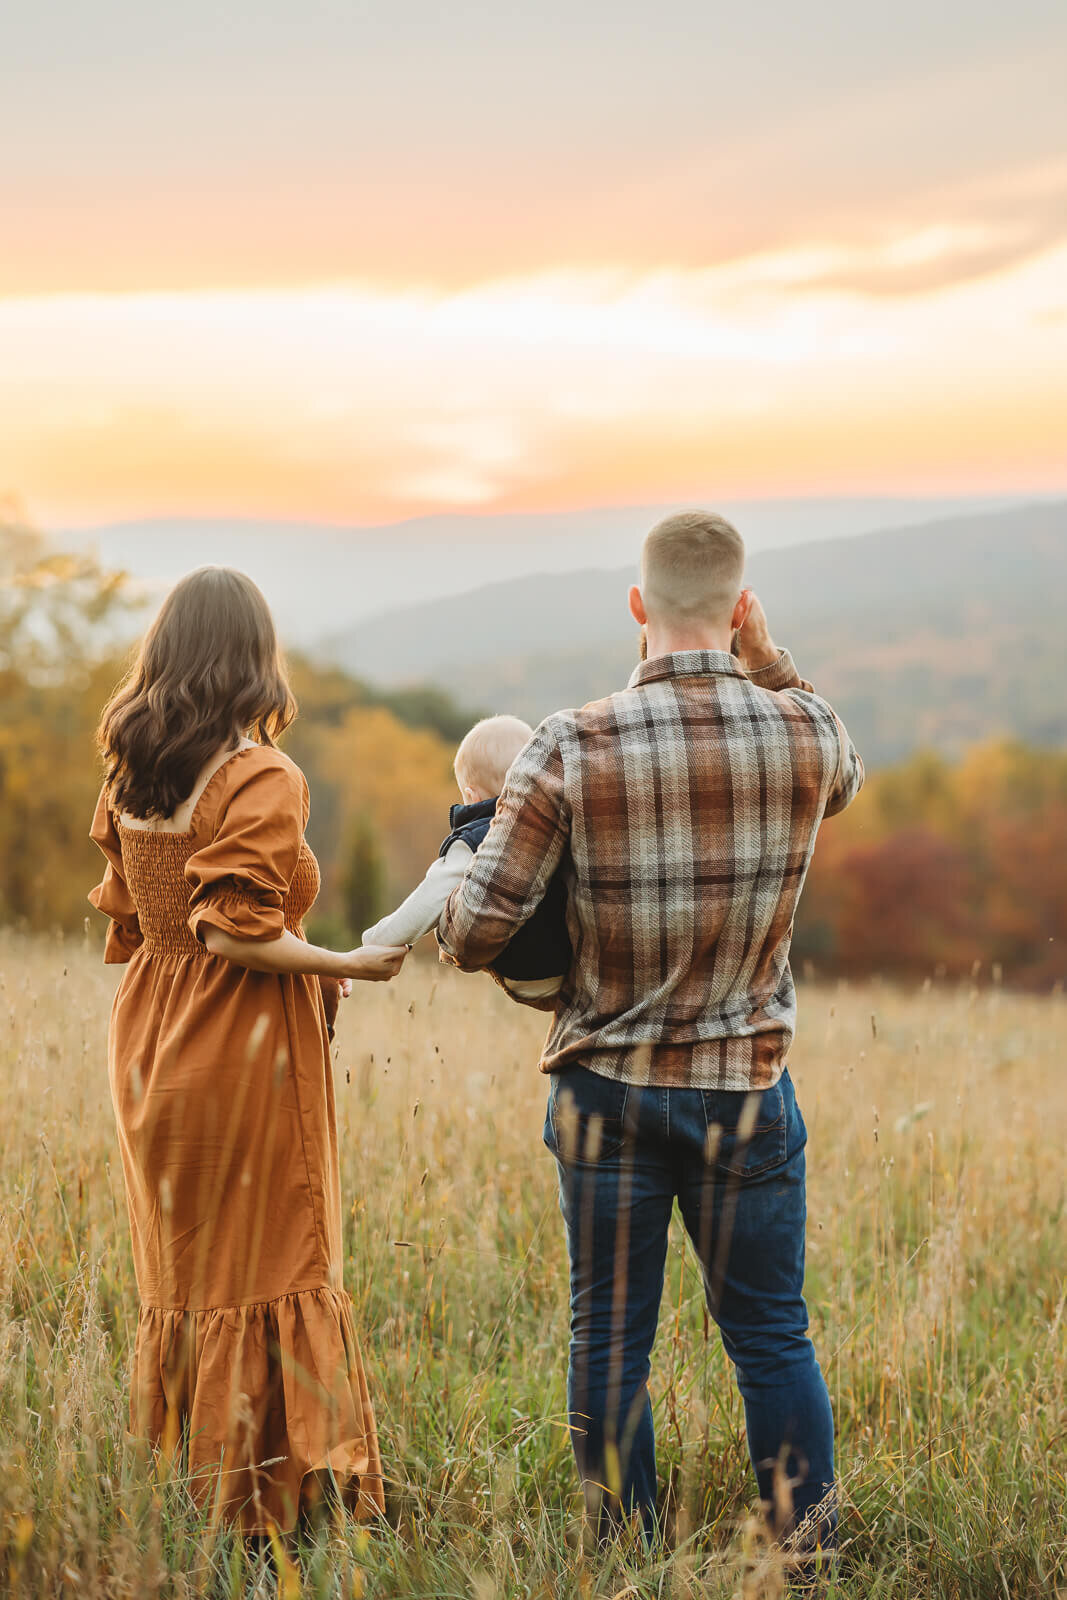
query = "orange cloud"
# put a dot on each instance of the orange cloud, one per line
(357, 403)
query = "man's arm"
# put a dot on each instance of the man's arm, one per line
(850, 773)
(514, 865)
(773, 669)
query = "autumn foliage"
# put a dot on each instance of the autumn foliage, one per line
(937, 869)
(945, 868)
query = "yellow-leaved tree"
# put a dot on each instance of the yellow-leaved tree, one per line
(59, 619)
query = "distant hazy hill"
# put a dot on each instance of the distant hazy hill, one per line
(947, 632)
(321, 579)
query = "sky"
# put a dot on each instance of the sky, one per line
(356, 263)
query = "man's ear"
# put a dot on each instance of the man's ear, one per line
(741, 610)
(637, 607)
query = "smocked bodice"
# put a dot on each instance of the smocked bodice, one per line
(154, 869)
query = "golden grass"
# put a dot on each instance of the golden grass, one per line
(937, 1267)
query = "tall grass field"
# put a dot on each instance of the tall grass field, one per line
(937, 1253)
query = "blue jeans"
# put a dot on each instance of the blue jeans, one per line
(735, 1162)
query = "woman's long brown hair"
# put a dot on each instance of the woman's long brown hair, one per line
(208, 672)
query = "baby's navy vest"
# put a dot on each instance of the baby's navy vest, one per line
(541, 948)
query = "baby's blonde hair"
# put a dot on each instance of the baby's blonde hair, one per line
(487, 751)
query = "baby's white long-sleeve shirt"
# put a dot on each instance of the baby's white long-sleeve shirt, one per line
(421, 911)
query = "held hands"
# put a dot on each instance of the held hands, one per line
(375, 963)
(753, 645)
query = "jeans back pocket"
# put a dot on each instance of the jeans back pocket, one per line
(586, 1122)
(746, 1131)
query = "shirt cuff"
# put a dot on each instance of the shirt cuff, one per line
(780, 674)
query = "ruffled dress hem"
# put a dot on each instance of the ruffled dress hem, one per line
(263, 1407)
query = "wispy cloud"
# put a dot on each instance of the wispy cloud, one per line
(775, 373)
(979, 233)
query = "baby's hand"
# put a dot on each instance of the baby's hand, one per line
(345, 986)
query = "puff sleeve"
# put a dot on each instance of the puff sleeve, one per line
(238, 881)
(111, 895)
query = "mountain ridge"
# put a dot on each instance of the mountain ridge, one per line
(319, 578)
(971, 602)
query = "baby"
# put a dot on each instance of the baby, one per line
(533, 965)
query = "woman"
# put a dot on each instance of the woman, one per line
(246, 1362)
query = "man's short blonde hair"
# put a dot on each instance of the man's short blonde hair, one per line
(487, 751)
(691, 567)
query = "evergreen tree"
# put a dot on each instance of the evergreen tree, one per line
(363, 881)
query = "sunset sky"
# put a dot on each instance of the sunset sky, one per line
(355, 263)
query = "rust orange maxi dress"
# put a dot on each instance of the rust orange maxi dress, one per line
(246, 1361)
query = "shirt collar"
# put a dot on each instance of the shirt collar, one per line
(687, 664)
(461, 815)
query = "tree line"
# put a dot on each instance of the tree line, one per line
(939, 867)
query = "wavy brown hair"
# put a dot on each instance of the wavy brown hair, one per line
(208, 672)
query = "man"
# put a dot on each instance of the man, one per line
(682, 813)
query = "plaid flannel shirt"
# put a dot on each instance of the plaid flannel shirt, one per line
(682, 813)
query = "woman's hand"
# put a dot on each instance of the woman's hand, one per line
(376, 963)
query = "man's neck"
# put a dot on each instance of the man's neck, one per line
(671, 641)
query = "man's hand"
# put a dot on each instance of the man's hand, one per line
(753, 644)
